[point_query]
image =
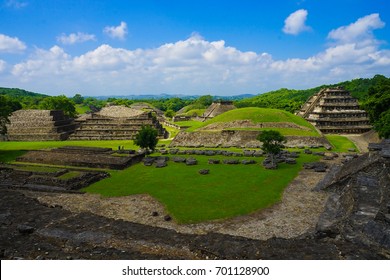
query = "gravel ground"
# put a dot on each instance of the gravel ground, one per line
(296, 214)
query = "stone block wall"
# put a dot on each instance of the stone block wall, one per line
(39, 125)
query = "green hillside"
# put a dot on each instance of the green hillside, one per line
(264, 115)
(291, 100)
(16, 92)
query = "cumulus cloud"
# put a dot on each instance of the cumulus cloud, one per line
(11, 44)
(359, 30)
(74, 38)
(116, 32)
(193, 66)
(295, 23)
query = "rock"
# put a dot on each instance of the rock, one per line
(25, 229)
(308, 151)
(167, 218)
(319, 153)
(301, 147)
(385, 153)
(173, 151)
(163, 152)
(246, 161)
(248, 153)
(191, 161)
(290, 161)
(5, 218)
(161, 164)
(258, 153)
(214, 161)
(148, 161)
(199, 152)
(209, 153)
(204, 171)
(231, 161)
(154, 213)
(270, 166)
(351, 150)
(328, 147)
(293, 155)
(327, 158)
(178, 159)
(320, 169)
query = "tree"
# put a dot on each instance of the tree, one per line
(169, 113)
(146, 138)
(59, 103)
(78, 99)
(378, 106)
(272, 142)
(7, 106)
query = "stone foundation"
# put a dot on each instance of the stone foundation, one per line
(116, 123)
(84, 157)
(238, 138)
(39, 125)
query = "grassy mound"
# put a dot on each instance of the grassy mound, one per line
(263, 115)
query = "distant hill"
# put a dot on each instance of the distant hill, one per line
(291, 100)
(16, 92)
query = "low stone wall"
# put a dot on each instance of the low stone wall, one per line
(238, 138)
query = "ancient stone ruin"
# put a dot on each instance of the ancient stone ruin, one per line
(358, 210)
(39, 125)
(334, 110)
(116, 123)
(84, 157)
(217, 108)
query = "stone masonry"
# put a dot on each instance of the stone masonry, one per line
(116, 123)
(39, 125)
(334, 110)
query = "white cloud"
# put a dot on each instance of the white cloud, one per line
(116, 32)
(295, 22)
(74, 38)
(11, 44)
(3, 64)
(193, 66)
(16, 4)
(358, 31)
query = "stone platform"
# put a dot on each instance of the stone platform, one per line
(39, 125)
(84, 157)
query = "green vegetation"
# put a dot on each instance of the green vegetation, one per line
(272, 142)
(378, 106)
(82, 109)
(292, 100)
(340, 143)
(190, 197)
(146, 138)
(192, 125)
(59, 103)
(261, 115)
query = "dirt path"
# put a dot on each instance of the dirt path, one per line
(297, 213)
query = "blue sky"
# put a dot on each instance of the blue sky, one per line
(190, 47)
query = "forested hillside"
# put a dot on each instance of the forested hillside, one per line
(291, 100)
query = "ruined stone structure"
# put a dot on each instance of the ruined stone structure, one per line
(84, 157)
(218, 108)
(358, 210)
(334, 110)
(39, 125)
(116, 123)
(239, 139)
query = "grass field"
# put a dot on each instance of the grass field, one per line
(228, 191)
(340, 143)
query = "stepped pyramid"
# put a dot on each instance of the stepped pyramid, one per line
(334, 110)
(39, 125)
(217, 108)
(115, 123)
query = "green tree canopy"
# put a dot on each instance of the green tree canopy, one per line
(377, 106)
(59, 103)
(272, 142)
(146, 138)
(7, 106)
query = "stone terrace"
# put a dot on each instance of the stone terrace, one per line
(82, 156)
(116, 123)
(39, 125)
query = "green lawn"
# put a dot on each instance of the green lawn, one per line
(259, 115)
(228, 191)
(340, 143)
(191, 124)
(80, 109)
